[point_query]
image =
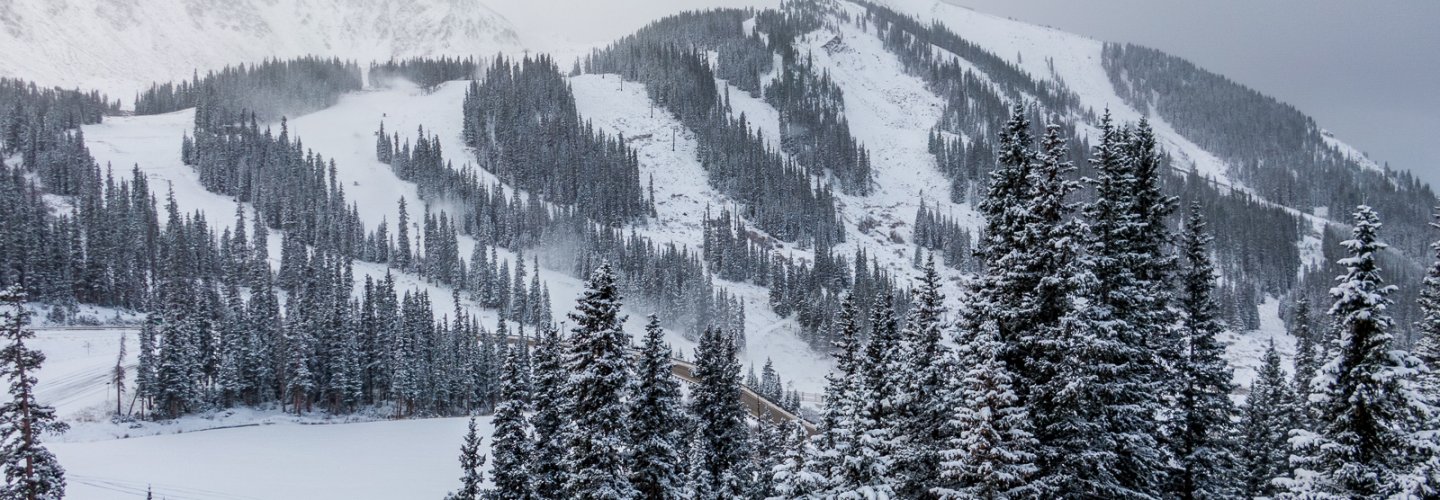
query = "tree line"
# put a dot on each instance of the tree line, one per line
(426, 72)
(269, 89)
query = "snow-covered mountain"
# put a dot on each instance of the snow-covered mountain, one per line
(120, 46)
(117, 46)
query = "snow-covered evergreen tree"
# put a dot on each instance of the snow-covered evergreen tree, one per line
(547, 463)
(1125, 319)
(1202, 432)
(657, 421)
(836, 422)
(1427, 346)
(770, 385)
(1370, 439)
(117, 375)
(146, 375)
(767, 444)
(920, 399)
(31, 471)
(991, 453)
(795, 475)
(1307, 360)
(720, 447)
(232, 335)
(1268, 416)
(471, 461)
(596, 437)
(511, 446)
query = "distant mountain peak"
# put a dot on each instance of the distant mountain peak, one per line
(119, 46)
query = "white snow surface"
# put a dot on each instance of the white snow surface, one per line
(1246, 349)
(376, 460)
(235, 454)
(890, 112)
(120, 46)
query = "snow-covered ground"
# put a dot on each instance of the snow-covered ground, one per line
(891, 113)
(75, 378)
(362, 461)
(1245, 349)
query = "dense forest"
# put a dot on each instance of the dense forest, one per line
(521, 121)
(269, 90)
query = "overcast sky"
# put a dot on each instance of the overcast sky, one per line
(1369, 71)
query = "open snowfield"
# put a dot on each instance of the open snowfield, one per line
(179, 459)
(376, 460)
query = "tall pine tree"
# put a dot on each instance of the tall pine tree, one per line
(1202, 434)
(511, 446)
(597, 435)
(1269, 415)
(31, 471)
(657, 421)
(471, 460)
(719, 451)
(1369, 441)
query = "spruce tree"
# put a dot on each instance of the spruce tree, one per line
(1370, 439)
(719, 451)
(1307, 360)
(841, 389)
(177, 389)
(991, 451)
(1202, 434)
(767, 444)
(31, 471)
(117, 376)
(657, 421)
(866, 463)
(1008, 190)
(547, 463)
(1126, 320)
(923, 411)
(146, 374)
(1268, 416)
(511, 446)
(795, 474)
(597, 435)
(471, 460)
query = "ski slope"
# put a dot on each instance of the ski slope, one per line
(891, 113)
